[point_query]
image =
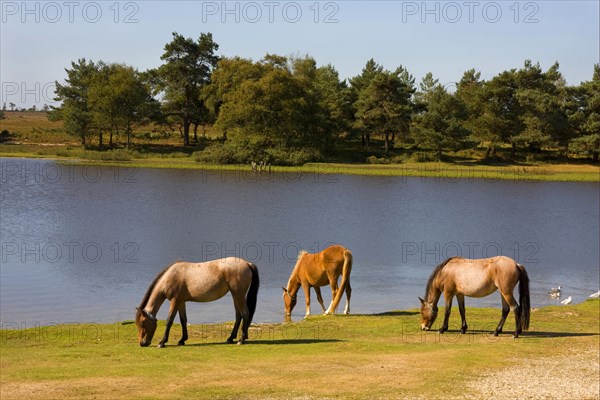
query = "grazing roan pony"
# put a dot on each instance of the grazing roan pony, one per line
(316, 270)
(462, 277)
(202, 282)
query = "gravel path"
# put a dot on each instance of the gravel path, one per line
(570, 376)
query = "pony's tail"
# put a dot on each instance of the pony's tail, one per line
(252, 295)
(346, 269)
(524, 300)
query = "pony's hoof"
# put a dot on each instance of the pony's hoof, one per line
(230, 341)
(180, 343)
(240, 343)
(161, 346)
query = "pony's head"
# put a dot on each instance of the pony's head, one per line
(289, 301)
(429, 313)
(146, 325)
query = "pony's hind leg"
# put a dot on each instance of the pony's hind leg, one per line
(245, 325)
(461, 308)
(505, 311)
(518, 329)
(510, 299)
(236, 327)
(333, 283)
(241, 313)
(348, 295)
(183, 320)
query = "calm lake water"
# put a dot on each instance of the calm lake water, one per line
(81, 244)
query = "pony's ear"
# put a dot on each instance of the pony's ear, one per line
(284, 289)
(422, 301)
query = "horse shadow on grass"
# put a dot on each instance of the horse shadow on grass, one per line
(395, 313)
(266, 342)
(524, 335)
(388, 314)
(544, 334)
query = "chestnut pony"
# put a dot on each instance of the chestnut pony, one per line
(316, 270)
(201, 282)
(462, 277)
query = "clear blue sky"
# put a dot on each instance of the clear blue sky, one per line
(39, 39)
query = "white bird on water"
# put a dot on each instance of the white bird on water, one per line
(594, 295)
(567, 300)
(555, 291)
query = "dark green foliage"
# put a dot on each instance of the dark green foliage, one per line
(383, 103)
(182, 78)
(279, 110)
(75, 110)
(289, 111)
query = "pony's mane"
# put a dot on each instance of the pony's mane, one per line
(295, 270)
(152, 285)
(435, 272)
(301, 254)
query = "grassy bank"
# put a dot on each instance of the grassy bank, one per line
(31, 135)
(362, 356)
(442, 171)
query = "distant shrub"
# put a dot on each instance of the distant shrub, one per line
(116, 155)
(398, 159)
(422, 156)
(292, 157)
(377, 160)
(63, 153)
(111, 155)
(215, 154)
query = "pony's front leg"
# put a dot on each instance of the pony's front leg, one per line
(448, 299)
(306, 289)
(170, 319)
(183, 320)
(461, 307)
(320, 298)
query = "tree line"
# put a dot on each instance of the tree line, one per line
(288, 110)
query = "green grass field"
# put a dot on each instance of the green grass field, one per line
(357, 356)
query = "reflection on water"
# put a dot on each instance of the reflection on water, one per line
(82, 243)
